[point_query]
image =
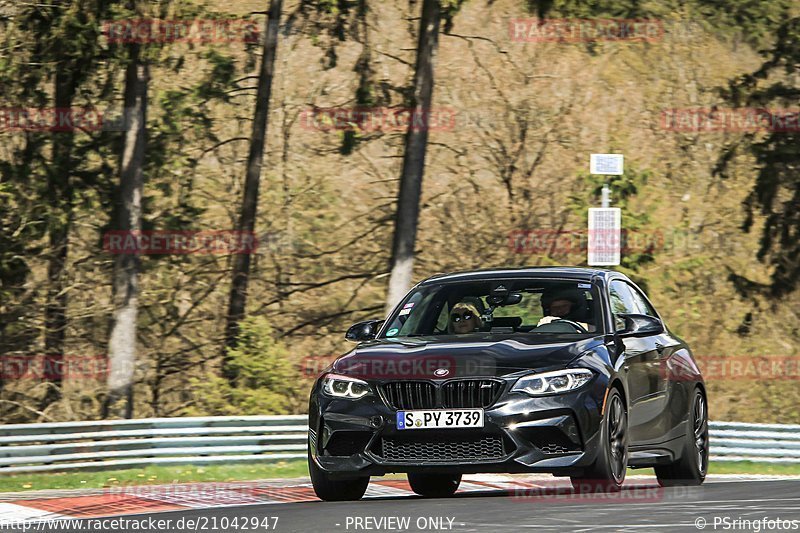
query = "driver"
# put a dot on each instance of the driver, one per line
(563, 305)
(464, 318)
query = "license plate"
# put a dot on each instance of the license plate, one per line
(446, 418)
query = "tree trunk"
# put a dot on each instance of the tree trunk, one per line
(407, 214)
(122, 343)
(59, 192)
(247, 222)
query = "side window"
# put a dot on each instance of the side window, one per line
(622, 301)
(641, 302)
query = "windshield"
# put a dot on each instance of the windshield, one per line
(532, 306)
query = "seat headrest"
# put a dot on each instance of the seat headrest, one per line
(580, 306)
(476, 301)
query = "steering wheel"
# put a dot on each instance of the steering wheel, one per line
(575, 325)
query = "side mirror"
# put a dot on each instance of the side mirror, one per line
(363, 331)
(640, 325)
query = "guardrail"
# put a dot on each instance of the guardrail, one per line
(107, 444)
(770, 443)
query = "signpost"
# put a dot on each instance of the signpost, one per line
(605, 223)
(606, 164)
(604, 236)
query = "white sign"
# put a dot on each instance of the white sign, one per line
(607, 164)
(604, 235)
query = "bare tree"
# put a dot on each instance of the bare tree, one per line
(247, 220)
(122, 344)
(60, 193)
(408, 198)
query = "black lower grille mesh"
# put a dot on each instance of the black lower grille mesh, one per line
(348, 442)
(442, 450)
(554, 449)
(551, 440)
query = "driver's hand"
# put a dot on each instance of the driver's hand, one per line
(547, 320)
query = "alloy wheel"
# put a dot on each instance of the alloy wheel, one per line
(701, 432)
(617, 438)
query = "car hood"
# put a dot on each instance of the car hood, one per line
(448, 356)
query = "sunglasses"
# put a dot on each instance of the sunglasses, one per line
(456, 317)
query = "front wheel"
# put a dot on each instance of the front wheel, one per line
(335, 490)
(608, 471)
(691, 468)
(433, 485)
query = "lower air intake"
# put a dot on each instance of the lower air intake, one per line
(442, 450)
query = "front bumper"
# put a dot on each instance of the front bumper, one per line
(556, 434)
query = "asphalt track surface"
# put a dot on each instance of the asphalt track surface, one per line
(645, 507)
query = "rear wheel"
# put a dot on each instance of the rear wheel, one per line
(608, 471)
(691, 468)
(434, 485)
(335, 490)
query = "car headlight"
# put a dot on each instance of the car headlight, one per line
(553, 382)
(340, 386)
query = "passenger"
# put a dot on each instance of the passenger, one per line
(464, 318)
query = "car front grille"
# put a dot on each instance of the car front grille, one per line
(410, 394)
(470, 393)
(442, 450)
(453, 394)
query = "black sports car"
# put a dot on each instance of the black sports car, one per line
(564, 370)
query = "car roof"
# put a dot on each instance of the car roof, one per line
(581, 273)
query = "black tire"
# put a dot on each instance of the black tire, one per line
(608, 472)
(335, 490)
(434, 485)
(692, 466)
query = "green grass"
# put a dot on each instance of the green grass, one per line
(153, 475)
(156, 475)
(739, 467)
(749, 467)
